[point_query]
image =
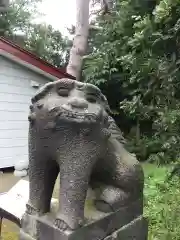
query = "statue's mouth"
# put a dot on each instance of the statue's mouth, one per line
(75, 116)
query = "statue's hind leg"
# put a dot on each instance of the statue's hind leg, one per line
(120, 178)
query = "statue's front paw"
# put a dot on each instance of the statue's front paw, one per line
(66, 222)
(60, 224)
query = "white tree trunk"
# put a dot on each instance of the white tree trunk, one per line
(4, 5)
(80, 41)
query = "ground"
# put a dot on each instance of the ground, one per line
(161, 204)
(7, 181)
(9, 230)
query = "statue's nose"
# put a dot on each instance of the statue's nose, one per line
(78, 103)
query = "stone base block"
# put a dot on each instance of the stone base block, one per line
(25, 236)
(98, 225)
(135, 230)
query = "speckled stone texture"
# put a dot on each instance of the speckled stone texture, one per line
(72, 133)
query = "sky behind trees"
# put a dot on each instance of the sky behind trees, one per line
(59, 13)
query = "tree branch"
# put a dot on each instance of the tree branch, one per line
(106, 6)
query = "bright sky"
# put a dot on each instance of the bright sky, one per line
(59, 13)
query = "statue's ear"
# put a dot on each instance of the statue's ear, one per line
(42, 91)
(106, 104)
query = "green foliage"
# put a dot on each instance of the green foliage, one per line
(47, 43)
(41, 39)
(135, 61)
(18, 17)
(161, 203)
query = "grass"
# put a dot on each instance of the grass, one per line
(9, 231)
(161, 206)
(162, 203)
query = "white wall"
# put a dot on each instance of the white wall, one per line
(15, 94)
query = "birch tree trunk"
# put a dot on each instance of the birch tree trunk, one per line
(4, 5)
(80, 41)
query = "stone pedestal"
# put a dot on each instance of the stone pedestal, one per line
(135, 230)
(127, 224)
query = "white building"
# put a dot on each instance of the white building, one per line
(21, 74)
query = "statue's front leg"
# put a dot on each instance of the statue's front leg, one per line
(74, 179)
(42, 176)
(43, 171)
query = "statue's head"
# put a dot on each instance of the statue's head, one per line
(73, 101)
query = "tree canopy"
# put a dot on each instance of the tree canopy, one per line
(133, 56)
(17, 25)
(135, 60)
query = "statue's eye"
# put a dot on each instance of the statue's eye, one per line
(91, 98)
(64, 92)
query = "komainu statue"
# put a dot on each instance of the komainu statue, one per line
(72, 133)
